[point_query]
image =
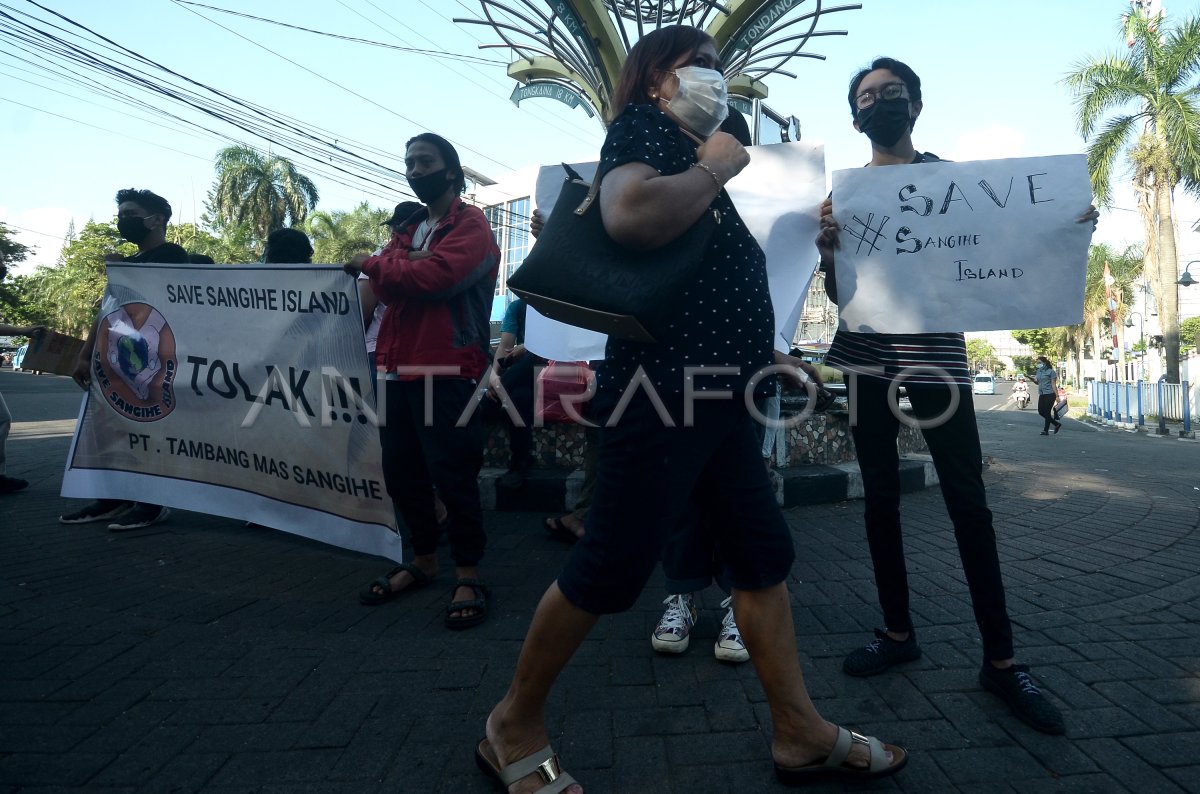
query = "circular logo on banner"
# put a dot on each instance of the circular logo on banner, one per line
(134, 363)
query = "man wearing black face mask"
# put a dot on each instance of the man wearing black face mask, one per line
(885, 101)
(142, 220)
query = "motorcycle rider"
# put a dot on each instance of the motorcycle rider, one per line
(1020, 392)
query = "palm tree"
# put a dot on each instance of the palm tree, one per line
(339, 235)
(1157, 74)
(1124, 268)
(264, 191)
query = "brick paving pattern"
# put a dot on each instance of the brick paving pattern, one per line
(202, 655)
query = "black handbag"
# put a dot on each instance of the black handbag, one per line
(576, 274)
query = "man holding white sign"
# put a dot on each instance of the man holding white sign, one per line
(885, 101)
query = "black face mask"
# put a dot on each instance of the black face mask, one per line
(886, 121)
(429, 187)
(133, 229)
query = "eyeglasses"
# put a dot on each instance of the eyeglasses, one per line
(888, 91)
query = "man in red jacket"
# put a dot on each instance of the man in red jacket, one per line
(437, 276)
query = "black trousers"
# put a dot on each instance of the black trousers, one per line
(1046, 409)
(957, 457)
(648, 476)
(518, 382)
(423, 448)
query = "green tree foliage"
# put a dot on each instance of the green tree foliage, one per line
(1189, 333)
(980, 354)
(233, 246)
(1153, 92)
(1125, 267)
(339, 235)
(63, 295)
(11, 252)
(1040, 339)
(264, 191)
(1024, 365)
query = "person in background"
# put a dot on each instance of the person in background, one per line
(11, 484)
(885, 102)
(690, 558)
(569, 527)
(513, 374)
(1047, 382)
(142, 218)
(288, 247)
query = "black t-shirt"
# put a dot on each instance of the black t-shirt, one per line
(166, 254)
(724, 319)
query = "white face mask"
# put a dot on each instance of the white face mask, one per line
(701, 101)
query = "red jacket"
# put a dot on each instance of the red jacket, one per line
(438, 308)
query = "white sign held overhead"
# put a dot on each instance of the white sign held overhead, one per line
(972, 246)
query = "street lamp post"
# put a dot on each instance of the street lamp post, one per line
(1141, 338)
(1186, 280)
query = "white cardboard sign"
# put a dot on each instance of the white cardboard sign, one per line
(971, 246)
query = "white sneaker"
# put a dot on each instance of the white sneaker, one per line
(671, 633)
(729, 647)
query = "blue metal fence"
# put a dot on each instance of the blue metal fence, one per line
(1129, 403)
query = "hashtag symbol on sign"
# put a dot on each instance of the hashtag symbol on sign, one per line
(866, 233)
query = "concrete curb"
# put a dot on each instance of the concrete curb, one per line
(550, 491)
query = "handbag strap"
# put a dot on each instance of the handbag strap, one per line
(594, 190)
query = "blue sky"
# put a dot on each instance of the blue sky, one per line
(991, 73)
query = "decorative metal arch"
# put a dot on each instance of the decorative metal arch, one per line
(574, 49)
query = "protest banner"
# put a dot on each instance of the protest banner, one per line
(971, 246)
(52, 352)
(778, 196)
(240, 391)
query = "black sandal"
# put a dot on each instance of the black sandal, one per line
(371, 598)
(479, 604)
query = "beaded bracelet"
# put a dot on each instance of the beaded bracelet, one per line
(712, 173)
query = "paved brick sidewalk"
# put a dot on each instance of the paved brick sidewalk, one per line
(200, 655)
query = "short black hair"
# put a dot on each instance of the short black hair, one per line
(289, 246)
(898, 68)
(152, 203)
(200, 259)
(449, 157)
(404, 210)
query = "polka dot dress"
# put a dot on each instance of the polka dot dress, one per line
(725, 318)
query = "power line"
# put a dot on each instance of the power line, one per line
(103, 129)
(546, 117)
(31, 231)
(339, 85)
(430, 53)
(245, 116)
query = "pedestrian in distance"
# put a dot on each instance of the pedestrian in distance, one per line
(885, 101)
(1047, 385)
